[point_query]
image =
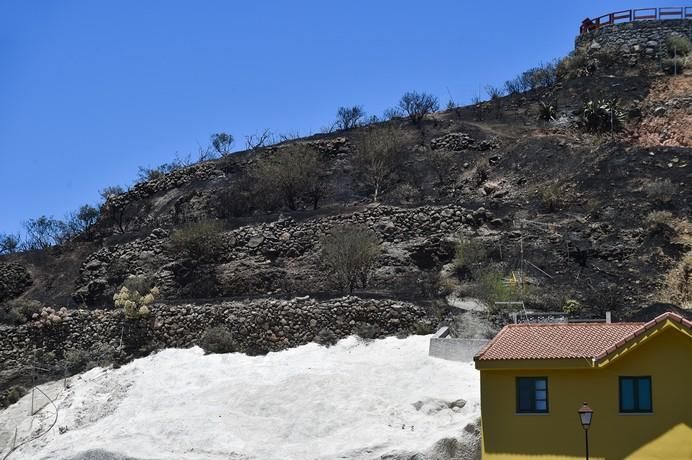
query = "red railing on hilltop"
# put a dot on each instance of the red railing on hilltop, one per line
(640, 14)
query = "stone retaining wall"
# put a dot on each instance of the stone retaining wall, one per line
(646, 38)
(284, 238)
(257, 326)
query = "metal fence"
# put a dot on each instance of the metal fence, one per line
(639, 14)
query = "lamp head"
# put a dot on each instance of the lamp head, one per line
(585, 414)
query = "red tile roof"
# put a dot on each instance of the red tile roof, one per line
(565, 341)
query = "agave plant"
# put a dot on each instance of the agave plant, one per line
(602, 115)
(547, 112)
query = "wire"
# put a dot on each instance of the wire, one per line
(55, 420)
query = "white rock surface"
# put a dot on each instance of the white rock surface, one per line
(353, 400)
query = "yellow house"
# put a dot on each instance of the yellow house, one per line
(637, 378)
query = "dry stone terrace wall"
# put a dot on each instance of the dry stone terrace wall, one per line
(206, 171)
(284, 238)
(14, 279)
(173, 179)
(257, 326)
(646, 38)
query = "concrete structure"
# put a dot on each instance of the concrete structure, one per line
(635, 376)
(445, 347)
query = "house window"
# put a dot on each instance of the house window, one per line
(532, 395)
(635, 394)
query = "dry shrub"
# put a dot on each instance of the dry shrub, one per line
(239, 199)
(658, 222)
(349, 255)
(292, 175)
(217, 339)
(19, 311)
(417, 105)
(678, 288)
(99, 354)
(660, 191)
(551, 197)
(379, 159)
(404, 194)
(201, 241)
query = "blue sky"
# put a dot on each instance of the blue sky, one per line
(90, 90)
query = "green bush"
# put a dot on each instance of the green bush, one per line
(674, 66)
(201, 241)
(572, 307)
(492, 287)
(547, 112)
(678, 45)
(217, 339)
(602, 115)
(469, 253)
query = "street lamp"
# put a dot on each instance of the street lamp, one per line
(585, 414)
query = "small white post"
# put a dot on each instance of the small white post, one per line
(608, 317)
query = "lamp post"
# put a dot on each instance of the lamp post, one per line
(585, 414)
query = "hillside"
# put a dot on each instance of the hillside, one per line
(486, 201)
(578, 201)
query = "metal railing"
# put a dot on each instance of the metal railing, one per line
(639, 14)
